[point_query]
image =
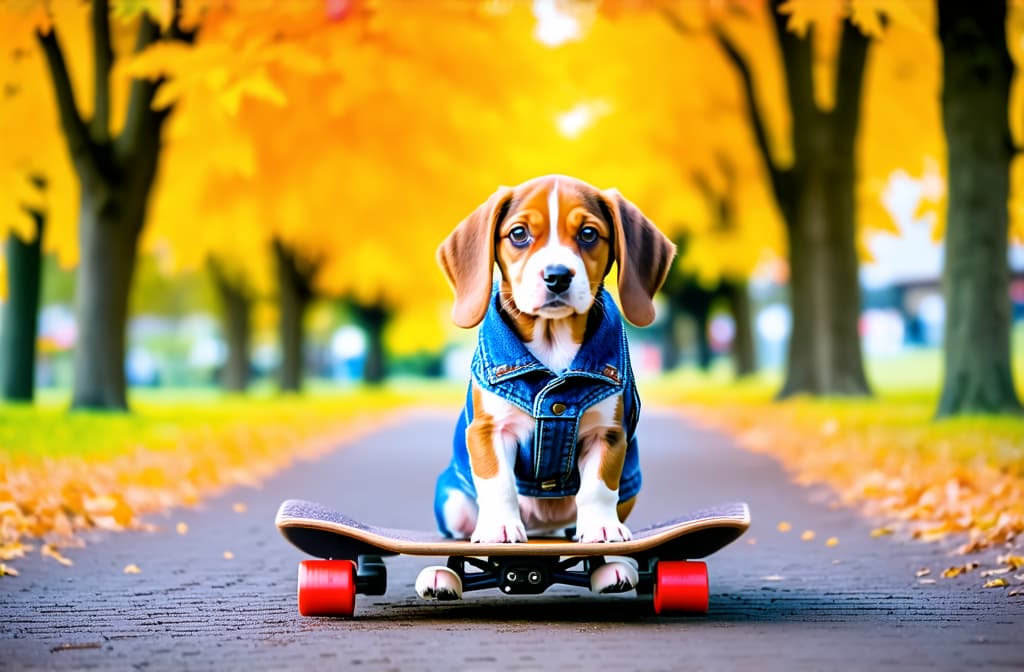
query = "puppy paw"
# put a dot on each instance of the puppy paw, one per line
(602, 531)
(438, 583)
(614, 577)
(505, 530)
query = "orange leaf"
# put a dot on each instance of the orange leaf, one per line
(50, 551)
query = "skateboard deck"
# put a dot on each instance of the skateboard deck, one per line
(323, 533)
(662, 562)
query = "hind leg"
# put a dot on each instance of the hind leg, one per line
(457, 514)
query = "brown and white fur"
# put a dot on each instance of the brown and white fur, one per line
(539, 235)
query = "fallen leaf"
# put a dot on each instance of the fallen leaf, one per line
(228, 555)
(1014, 561)
(14, 550)
(832, 541)
(132, 569)
(926, 582)
(924, 571)
(996, 583)
(239, 507)
(1012, 593)
(784, 527)
(881, 531)
(953, 572)
(182, 528)
(7, 571)
(808, 535)
(994, 572)
(48, 550)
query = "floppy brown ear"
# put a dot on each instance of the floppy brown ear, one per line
(467, 258)
(644, 256)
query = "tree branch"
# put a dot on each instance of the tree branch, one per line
(140, 100)
(75, 132)
(775, 174)
(798, 66)
(851, 62)
(103, 60)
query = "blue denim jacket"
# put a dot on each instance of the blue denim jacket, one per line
(547, 465)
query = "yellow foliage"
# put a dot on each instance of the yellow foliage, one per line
(360, 135)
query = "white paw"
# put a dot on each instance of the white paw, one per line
(614, 577)
(438, 583)
(602, 531)
(499, 530)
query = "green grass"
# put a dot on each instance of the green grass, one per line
(160, 419)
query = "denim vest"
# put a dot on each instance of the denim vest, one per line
(546, 466)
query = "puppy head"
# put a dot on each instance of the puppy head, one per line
(554, 239)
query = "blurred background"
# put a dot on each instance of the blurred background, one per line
(248, 195)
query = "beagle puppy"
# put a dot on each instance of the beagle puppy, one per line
(546, 439)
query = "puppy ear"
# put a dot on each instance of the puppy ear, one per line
(467, 258)
(644, 256)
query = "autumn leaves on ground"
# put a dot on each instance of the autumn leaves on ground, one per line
(61, 474)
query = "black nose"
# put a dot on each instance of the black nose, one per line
(558, 278)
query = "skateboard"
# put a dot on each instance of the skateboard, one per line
(352, 554)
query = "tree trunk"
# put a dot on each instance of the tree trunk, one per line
(671, 352)
(294, 296)
(115, 176)
(373, 318)
(815, 197)
(236, 305)
(824, 347)
(108, 238)
(21, 315)
(976, 74)
(743, 355)
(701, 320)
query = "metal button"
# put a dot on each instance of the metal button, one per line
(558, 408)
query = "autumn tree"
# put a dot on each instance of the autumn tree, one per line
(977, 72)
(816, 196)
(115, 172)
(20, 315)
(236, 298)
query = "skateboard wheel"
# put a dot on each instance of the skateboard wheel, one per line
(681, 588)
(327, 588)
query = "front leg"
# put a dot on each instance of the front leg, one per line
(492, 451)
(601, 460)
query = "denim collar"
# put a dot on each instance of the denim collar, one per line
(602, 356)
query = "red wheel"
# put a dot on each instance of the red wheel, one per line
(681, 588)
(327, 588)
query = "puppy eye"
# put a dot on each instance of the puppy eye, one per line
(519, 236)
(588, 235)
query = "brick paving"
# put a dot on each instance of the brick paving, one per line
(777, 602)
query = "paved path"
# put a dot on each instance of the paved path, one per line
(853, 606)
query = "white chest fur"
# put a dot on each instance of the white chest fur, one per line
(553, 344)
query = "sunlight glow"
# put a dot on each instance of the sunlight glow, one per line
(572, 123)
(554, 26)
